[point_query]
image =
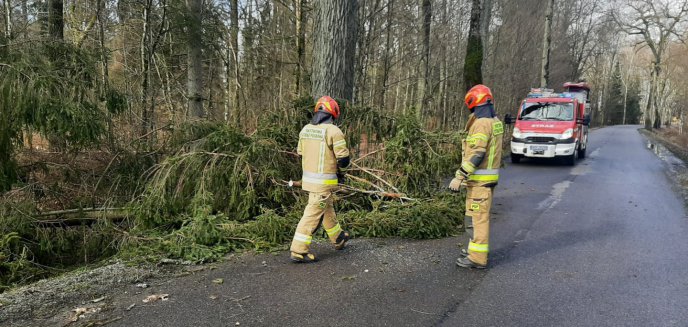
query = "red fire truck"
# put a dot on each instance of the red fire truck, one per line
(550, 124)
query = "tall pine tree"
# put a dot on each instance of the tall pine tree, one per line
(614, 105)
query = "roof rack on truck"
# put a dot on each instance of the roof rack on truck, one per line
(542, 93)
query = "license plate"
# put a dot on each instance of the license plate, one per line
(538, 149)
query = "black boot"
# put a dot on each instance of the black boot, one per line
(341, 240)
(464, 262)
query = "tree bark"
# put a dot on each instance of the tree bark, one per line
(426, 18)
(8, 19)
(101, 16)
(25, 18)
(650, 100)
(386, 65)
(146, 114)
(56, 19)
(234, 39)
(473, 63)
(657, 123)
(335, 48)
(485, 21)
(300, 21)
(546, 44)
(195, 59)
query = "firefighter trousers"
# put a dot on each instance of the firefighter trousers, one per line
(477, 222)
(319, 211)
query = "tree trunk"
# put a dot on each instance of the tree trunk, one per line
(473, 63)
(56, 33)
(650, 100)
(335, 48)
(625, 104)
(226, 80)
(426, 18)
(104, 79)
(546, 44)
(485, 21)
(25, 18)
(659, 114)
(300, 44)
(444, 68)
(234, 39)
(387, 56)
(8, 19)
(146, 115)
(195, 59)
(56, 20)
(367, 32)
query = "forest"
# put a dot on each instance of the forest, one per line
(149, 129)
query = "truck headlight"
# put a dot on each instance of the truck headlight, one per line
(567, 134)
(517, 133)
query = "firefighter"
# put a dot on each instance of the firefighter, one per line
(324, 156)
(481, 159)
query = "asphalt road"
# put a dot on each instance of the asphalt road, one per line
(604, 243)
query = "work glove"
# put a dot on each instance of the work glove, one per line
(341, 177)
(456, 183)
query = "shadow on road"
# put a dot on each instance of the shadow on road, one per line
(531, 245)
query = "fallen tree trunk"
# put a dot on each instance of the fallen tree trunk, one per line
(73, 211)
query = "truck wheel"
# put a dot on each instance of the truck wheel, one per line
(516, 158)
(581, 153)
(570, 160)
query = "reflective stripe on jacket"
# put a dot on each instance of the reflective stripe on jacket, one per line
(320, 146)
(482, 150)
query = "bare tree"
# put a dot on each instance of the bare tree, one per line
(426, 19)
(146, 58)
(56, 19)
(195, 58)
(472, 68)
(656, 22)
(234, 40)
(8, 18)
(387, 57)
(300, 22)
(546, 44)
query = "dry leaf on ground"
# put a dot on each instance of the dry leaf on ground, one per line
(81, 312)
(155, 297)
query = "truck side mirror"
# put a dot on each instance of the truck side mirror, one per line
(508, 119)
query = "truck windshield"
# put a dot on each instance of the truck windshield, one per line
(547, 111)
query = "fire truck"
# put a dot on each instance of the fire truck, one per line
(552, 125)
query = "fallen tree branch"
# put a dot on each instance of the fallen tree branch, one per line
(72, 211)
(365, 181)
(368, 154)
(383, 194)
(399, 196)
(376, 177)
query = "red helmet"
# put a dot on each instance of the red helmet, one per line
(478, 96)
(327, 104)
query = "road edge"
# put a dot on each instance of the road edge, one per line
(679, 176)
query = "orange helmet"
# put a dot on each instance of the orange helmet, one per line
(328, 105)
(478, 96)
